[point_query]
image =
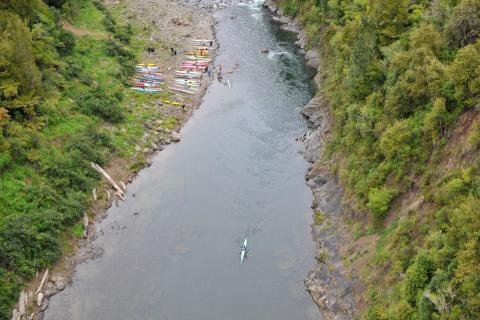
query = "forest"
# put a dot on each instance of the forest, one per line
(402, 82)
(62, 106)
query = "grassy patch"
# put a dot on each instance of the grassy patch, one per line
(77, 230)
(318, 217)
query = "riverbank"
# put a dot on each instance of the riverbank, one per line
(329, 283)
(174, 27)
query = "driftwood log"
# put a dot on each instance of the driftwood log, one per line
(44, 279)
(22, 304)
(120, 191)
(85, 225)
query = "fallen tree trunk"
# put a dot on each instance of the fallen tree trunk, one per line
(22, 304)
(44, 278)
(85, 225)
(99, 169)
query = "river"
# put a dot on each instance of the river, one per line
(172, 250)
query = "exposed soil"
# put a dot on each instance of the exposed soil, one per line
(83, 33)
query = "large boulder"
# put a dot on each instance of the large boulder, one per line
(175, 136)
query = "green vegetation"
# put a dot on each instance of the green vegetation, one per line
(63, 104)
(400, 77)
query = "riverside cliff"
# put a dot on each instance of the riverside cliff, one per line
(398, 87)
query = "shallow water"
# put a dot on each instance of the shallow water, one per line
(237, 172)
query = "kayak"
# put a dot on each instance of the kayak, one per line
(145, 70)
(244, 251)
(188, 84)
(196, 63)
(197, 68)
(193, 66)
(173, 103)
(188, 76)
(187, 80)
(201, 40)
(197, 52)
(149, 77)
(182, 90)
(198, 58)
(157, 82)
(146, 85)
(155, 74)
(147, 67)
(146, 90)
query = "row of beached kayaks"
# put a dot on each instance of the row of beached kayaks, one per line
(147, 79)
(188, 76)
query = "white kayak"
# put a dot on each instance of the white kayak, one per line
(244, 251)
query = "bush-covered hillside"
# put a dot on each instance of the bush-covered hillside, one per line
(402, 79)
(62, 105)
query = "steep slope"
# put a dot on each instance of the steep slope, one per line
(401, 81)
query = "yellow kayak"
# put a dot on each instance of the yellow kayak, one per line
(174, 103)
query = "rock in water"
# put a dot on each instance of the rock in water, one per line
(39, 299)
(59, 282)
(175, 136)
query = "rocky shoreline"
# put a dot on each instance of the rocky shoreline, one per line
(167, 29)
(328, 283)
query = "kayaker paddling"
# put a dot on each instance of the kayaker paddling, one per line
(243, 252)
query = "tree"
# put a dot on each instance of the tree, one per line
(464, 25)
(465, 74)
(390, 17)
(435, 120)
(20, 79)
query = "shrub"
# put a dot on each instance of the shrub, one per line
(416, 278)
(464, 73)
(474, 136)
(435, 120)
(56, 3)
(114, 49)
(464, 23)
(290, 7)
(379, 201)
(66, 43)
(400, 141)
(124, 34)
(97, 103)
